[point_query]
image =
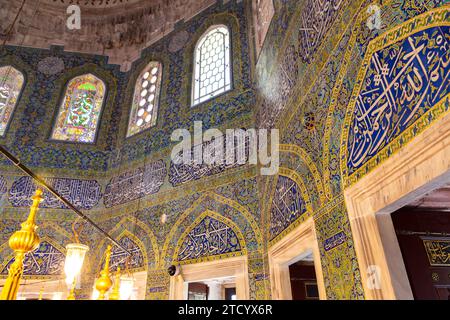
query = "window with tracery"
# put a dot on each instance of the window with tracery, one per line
(79, 114)
(11, 83)
(145, 104)
(212, 65)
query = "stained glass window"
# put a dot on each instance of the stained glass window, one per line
(212, 72)
(80, 110)
(144, 109)
(11, 83)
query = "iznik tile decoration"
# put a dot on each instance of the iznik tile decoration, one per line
(287, 205)
(3, 185)
(325, 91)
(177, 82)
(314, 85)
(339, 263)
(334, 241)
(315, 21)
(178, 41)
(83, 194)
(120, 258)
(46, 260)
(51, 65)
(135, 184)
(244, 192)
(402, 82)
(180, 172)
(209, 238)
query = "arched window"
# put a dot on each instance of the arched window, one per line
(212, 71)
(79, 113)
(144, 109)
(11, 83)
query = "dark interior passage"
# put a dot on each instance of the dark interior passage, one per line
(303, 281)
(424, 239)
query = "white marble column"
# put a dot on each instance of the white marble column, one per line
(215, 290)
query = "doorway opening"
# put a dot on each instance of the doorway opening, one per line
(213, 289)
(420, 167)
(295, 266)
(224, 279)
(303, 279)
(423, 233)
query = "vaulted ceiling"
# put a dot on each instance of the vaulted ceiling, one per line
(119, 29)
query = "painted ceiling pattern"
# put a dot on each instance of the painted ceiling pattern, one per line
(402, 82)
(83, 194)
(209, 238)
(315, 21)
(44, 261)
(116, 28)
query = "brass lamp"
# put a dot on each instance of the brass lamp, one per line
(104, 283)
(75, 254)
(126, 287)
(116, 292)
(22, 242)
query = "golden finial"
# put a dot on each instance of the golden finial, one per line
(115, 294)
(23, 241)
(41, 292)
(71, 295)
(104, 283)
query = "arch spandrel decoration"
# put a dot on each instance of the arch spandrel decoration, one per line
(46, 261)
(119, 258)
(400, 89)
(210, 237)
(290, 202)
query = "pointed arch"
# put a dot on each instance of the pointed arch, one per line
(302, 154)
(145, 104)
(252, 230)
(212, 74)
(11, 85)
(211, 236)
(138, 261)
(124, 231)
(79, 113)
(298, 207)
(47, 261)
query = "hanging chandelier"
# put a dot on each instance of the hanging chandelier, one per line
(75, 253)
